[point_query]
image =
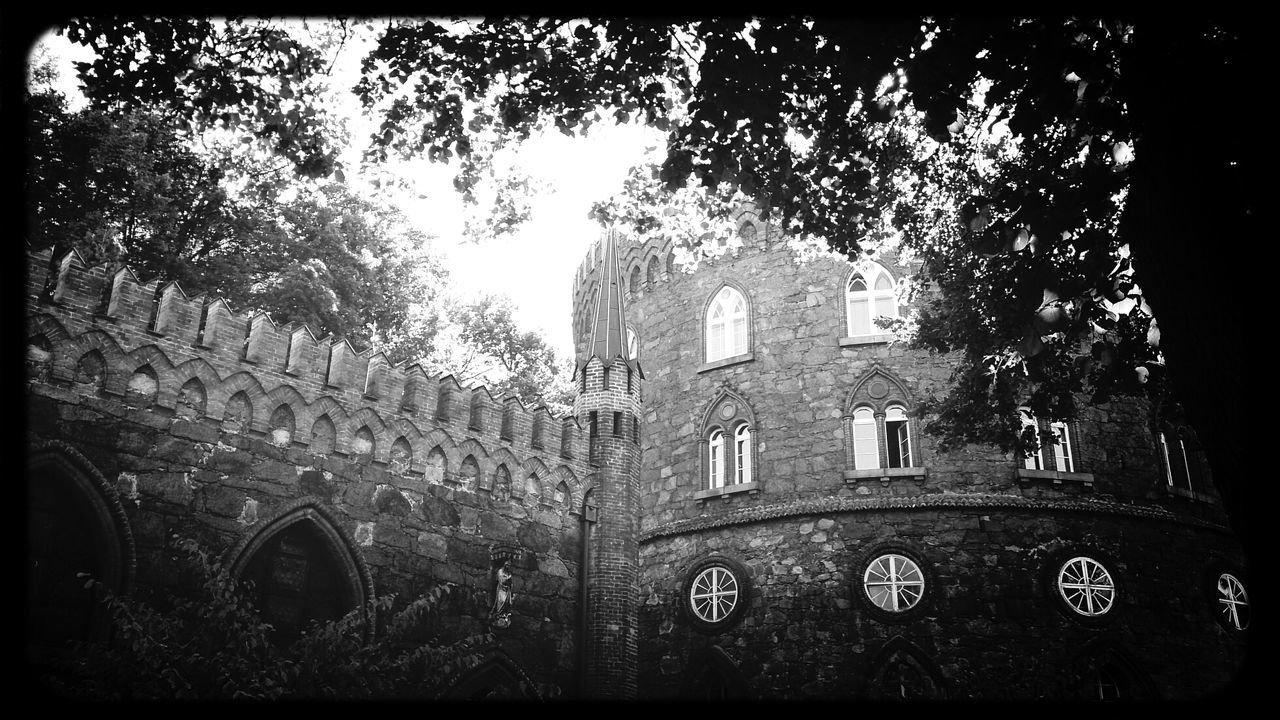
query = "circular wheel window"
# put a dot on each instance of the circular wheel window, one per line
(1086, 586)
(713, 595)
(1233, 601)
(893, 583)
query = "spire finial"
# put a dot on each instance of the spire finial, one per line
(609, 321)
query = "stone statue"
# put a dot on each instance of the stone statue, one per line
(502, 596)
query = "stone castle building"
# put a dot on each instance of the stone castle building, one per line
(743, 503)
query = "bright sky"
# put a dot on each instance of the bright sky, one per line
(535, 266)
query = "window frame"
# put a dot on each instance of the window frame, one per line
(1084, 583)
(728, 447)
(920, 577)
(870, 273)
(741, 580)
(1228, 602)
(729, 347)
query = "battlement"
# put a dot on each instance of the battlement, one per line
(99, 319)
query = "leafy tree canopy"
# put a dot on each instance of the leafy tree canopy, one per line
(1057, 180)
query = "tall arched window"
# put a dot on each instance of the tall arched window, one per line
(898, 436)
(866, 454)
(869, 294)
(742, 453)
(715, 443)
(726, 325)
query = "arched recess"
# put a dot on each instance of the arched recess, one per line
(497, 677)
(880, 426)
(1106, 671)
(715, 676)
(727, 442)
(75, 524)
(192, 399)
(304, 568)
(902, 671)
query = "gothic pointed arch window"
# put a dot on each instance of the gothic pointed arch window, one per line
(728, 448)
(880, 434)
(301, 571)
(904, 672)
(726, 326)
(869, 294)
(75, 524)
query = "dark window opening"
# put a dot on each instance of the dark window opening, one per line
(617, 424)
(296, 582)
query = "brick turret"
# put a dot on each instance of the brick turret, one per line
(608, 403)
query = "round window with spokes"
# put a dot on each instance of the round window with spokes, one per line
(1233, 602)
(893, 583)
(715, 594)
(1086, 586)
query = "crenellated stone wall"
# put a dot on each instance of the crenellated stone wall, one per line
(222, 425)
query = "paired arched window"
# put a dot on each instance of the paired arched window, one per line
(1057, 439)
(866, 438)
(869, 294)
(1180, 457)
(726, 325)
(877, 425)
(728, 443)
(729, 460)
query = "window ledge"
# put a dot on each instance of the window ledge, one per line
(1192, 494)
(725, 362)
(886, 474)
(748, 487)
(876, 339)
(1026, 475)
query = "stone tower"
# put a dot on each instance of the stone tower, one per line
(608, 403)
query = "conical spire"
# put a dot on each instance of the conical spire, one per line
(609, 319)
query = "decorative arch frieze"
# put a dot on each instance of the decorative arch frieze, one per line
(197, 369)
(107, 348)
(239, 382)
(382, 440)
(566, 475)
(357, 581)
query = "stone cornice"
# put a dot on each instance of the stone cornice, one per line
(776, 511)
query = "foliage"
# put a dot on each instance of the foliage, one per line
(127, 188)
(204, 641)
(487, 345)
(1107, 185)
(1043, 256)
(250, 75)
